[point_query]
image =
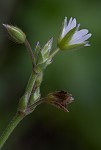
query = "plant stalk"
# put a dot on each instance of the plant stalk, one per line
(15, 121)
(30, 51)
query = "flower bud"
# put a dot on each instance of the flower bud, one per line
(42, 55)
(16, 34)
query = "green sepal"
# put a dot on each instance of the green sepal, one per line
(46, 49)
(63, 44)
(41, 67)
(35, 96)
(44, 53)
(23, 103)
(37, 51)
(16, 34)
(76, 46)
(39, 79)
(40, 58)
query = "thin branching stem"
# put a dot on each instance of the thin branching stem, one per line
(30, 51)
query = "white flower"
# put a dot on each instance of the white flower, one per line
(71, 37)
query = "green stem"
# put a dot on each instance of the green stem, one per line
(10, 128)
(30, 51)
(32, 107)
(30, 84)
(54, 53)
(23, 105)
(25, 98)
(35, 95)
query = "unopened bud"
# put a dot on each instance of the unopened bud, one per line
(17, 34)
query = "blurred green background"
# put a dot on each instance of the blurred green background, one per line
(78, 72)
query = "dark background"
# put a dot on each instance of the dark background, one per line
(78, 72)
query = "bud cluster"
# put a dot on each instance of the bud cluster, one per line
(42, 55)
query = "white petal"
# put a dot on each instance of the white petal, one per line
(71, 25)
(83, 39)
(87, 36)
(64, 27)
(67, 29)
(78, 35)
(70, 21)
(83, 32)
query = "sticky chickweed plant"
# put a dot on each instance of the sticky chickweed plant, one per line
(70, 38)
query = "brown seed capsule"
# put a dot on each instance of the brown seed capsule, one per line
(60, 99)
